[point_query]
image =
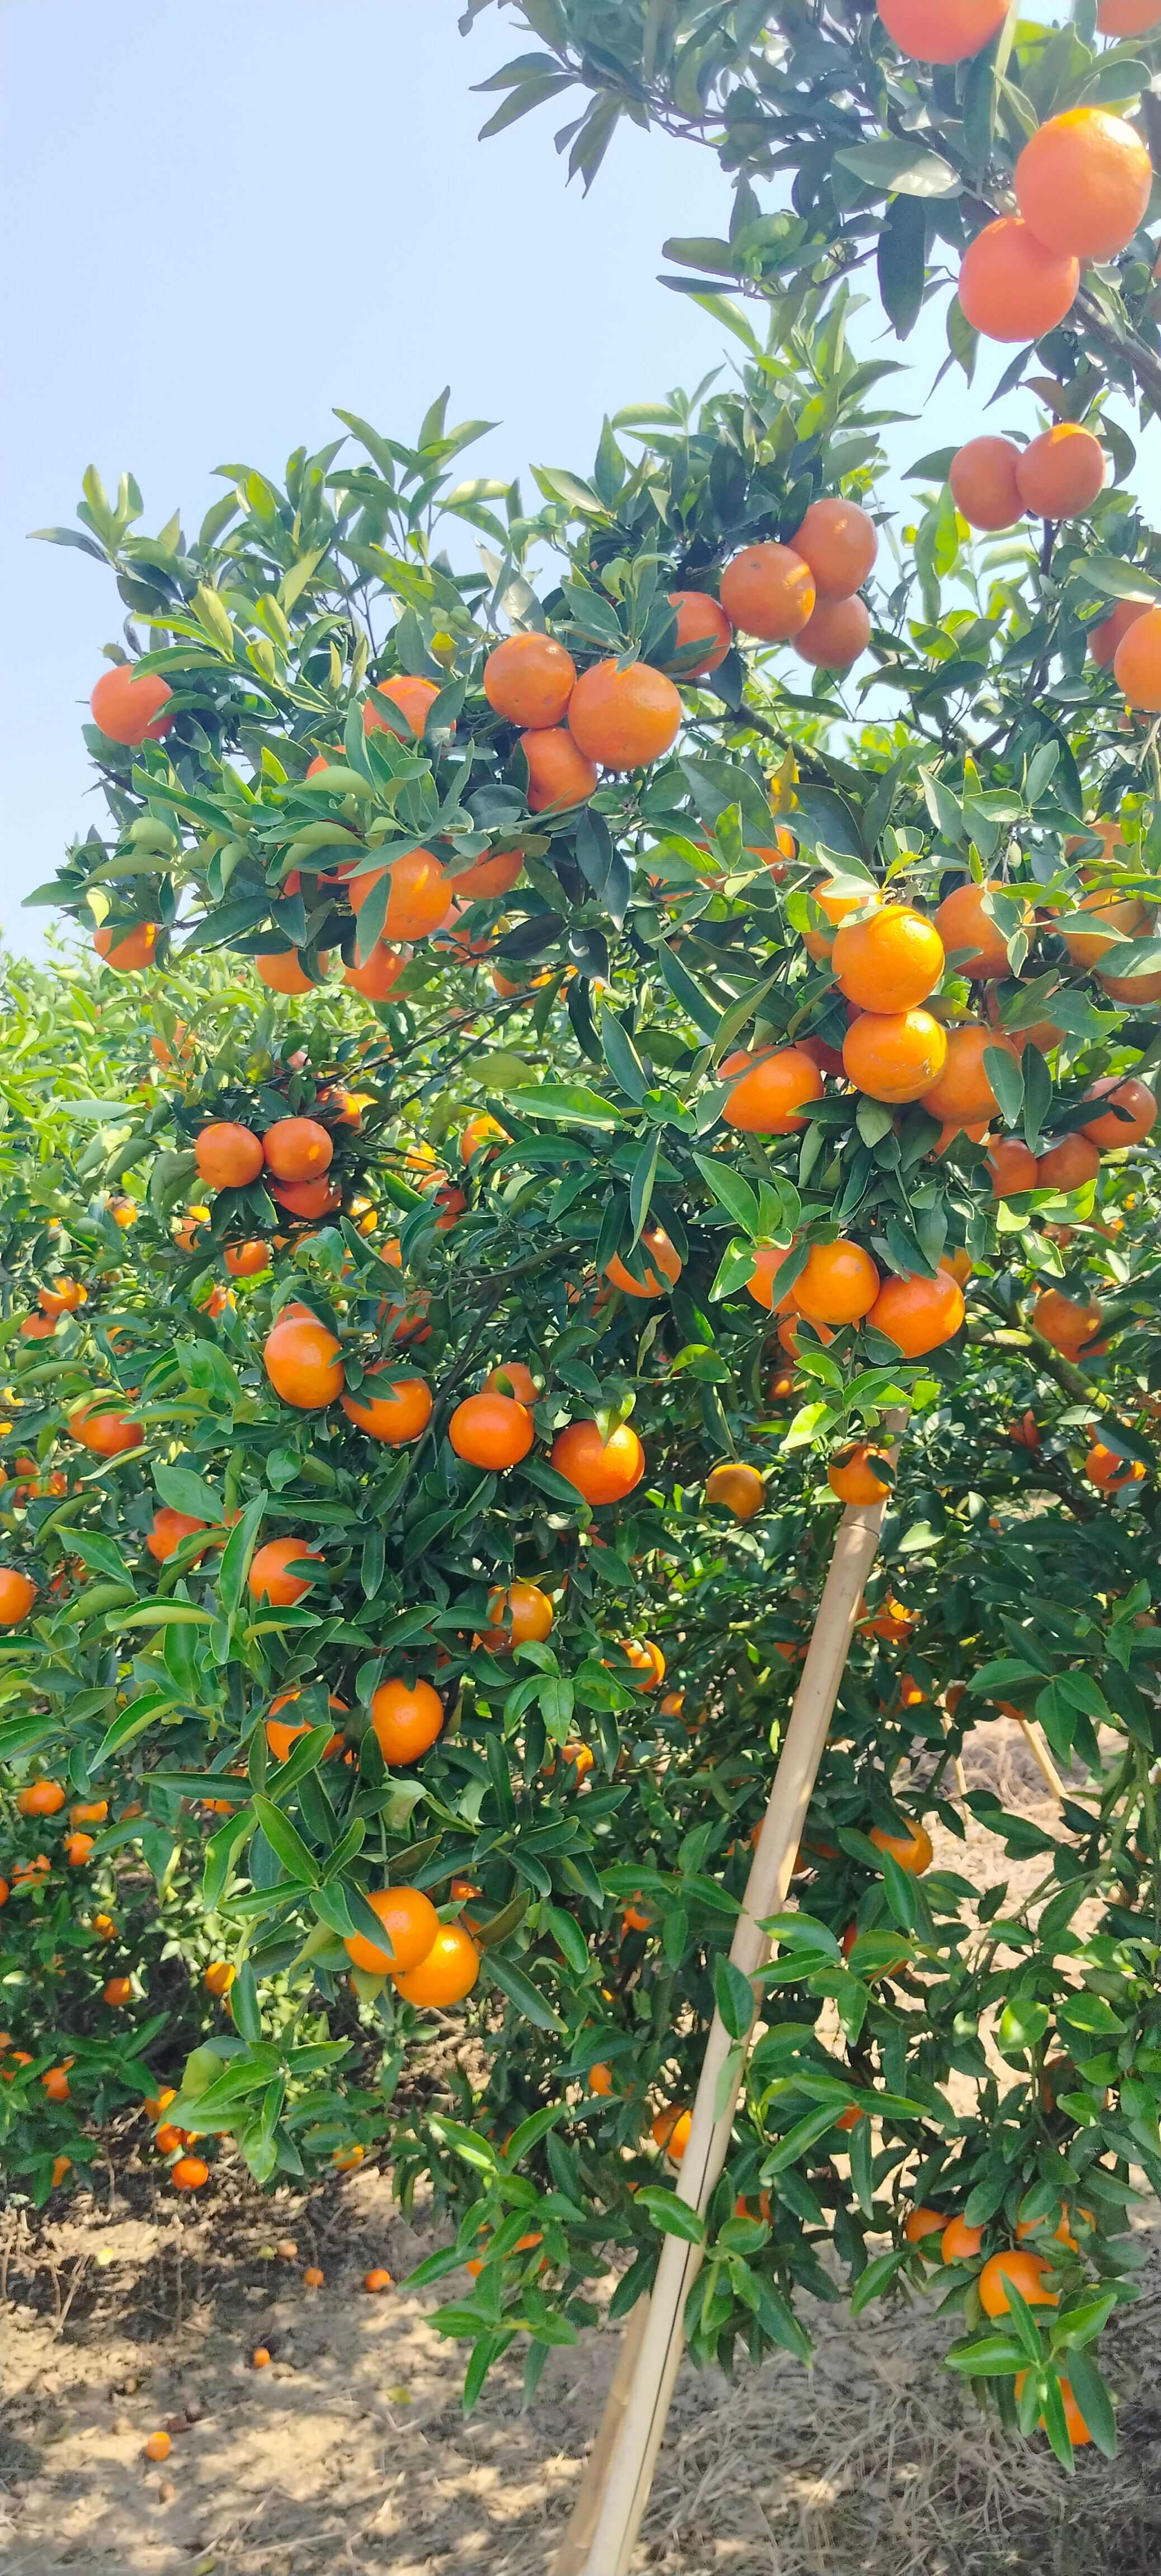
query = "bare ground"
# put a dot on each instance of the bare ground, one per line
(349, 2453)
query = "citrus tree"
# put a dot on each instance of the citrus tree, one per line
(715, 1038)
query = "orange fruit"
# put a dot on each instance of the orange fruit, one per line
(448, 1972)
(1138, 1108)
(961, 2243)
(117, 1991)
(1070, 1165)
(399, 1415)
(55, 2082)
(603, 1471)
(890, 961)
(303, 1362)
(852, 1476)
(768, 1260)
(739, 1490)
(281, 1736)
(600, 2079)
(481, 1130)
(1114, 914)
(129, 705)
(491, 1431)
(918, 1314)
(488, 877)
(838, 1285)
(406, 1719)
(559, 775)
(513, 1377)
(659, 1257)
(1062, 2232)
(942, 31)
(169, 1530)
(529, 679)
(189, 2173)
(246, 1260)
(282, 971)
(1128, 17)
(1065, 1324)
(1062, 472)
(624, 719)
(17, 1594)
(1083, 183)
(913, 1850)
(840, 543)
(414, 698)
(1011, 287)
(769, 591)
(1012, 1168)
(158, 2446)
(410, 1922)
(313, 2278)
(1137, 661)
(700, 621)
(1104, 638)
(964, 1090)
(419, 895)
(297, 1149)
(974, 943)
(227, 1156)
(1025, 2273)
(921, 2223)
(835, 634)
(1077, 2429)
(376, 2280)
(1135, 990)
(646, 1659)
(63, 1298)
(894, 1055)
(269, 1579)
(518, 1614)
(41, 1798)
(219, 1977)
(819, 942)
(379, 972)
(1110, 1471)
(983, 484)
(306, 1198)
(90, 1811)
(670, 2129)
(767, 1099)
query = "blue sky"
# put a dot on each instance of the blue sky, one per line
(219, 221)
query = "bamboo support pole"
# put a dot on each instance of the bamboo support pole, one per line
(630, 2436)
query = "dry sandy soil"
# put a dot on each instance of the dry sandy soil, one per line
(350, 2453)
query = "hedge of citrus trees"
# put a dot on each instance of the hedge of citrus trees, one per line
(661, 1074)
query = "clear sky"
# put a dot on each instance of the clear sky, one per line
(219, 218)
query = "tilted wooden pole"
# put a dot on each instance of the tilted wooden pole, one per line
(629, 2438)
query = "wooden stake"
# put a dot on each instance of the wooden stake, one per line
(1041, 1756)
(631, 2432)
(572, 2556)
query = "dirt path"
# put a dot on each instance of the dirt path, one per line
(350, 2454)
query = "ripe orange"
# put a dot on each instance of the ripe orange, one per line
(1062, 472)
(624, 719)
(269, 1579)
(127, 950)
(1075, 2425)
(819, 942)
(769, 591)
(419, 895)
(303, 1362)
(1062, 2232)
(529, 679)
(169, 1530)
(913, 1850)
(1134, 1100)
(1012, 1167)
(558, 773)
(767, 1099)
(488, 877)
(379, 972)
(835, 634)
(246, 1260)
(964, 1089)
(414, 698)
(1025, 2272)
(89, 1811)
(446, 1975)
(406, 1720)
(17, 1594)
(840, 543)
(918, 1314)
(894, 1055)
(514, 1377)
(961, 2243)
(1128, 17)
(921, 2223)
(662, 1266)
(306, 1198)
(227, 1156)
(739, 1490)
(1124, 915)
(670, 2129)
(1064, 1323)
(376, 2280)
(768, 1260)
(984, 486)
(647, 1660)
(1070, 1165)
(312, 2277)
(282, 971)
(129, 705)
(975, 944)
(219, 1977)
(1083, 183)
(1104, 638)
(491, 1431)
(41, 1798)
(63, 1298)
(281, 1735)
(1137, 662)
(481, 1130)
(838, 1285)
(700, 621)
(603, 1471)
(399, 1415)
(942, 31)
(189, 2173)
(890, 961)
(600, 2079)
(55, 2082)
(410, 1922)
(297, 1149)
(117, 1991)
(518, 1614)
(1110, 1471)
(158, 2446)
(852, 1476)
(1011, 287)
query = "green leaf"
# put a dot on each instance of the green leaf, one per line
(521, 1992)
(236, 1556)
(907, 167)
(901, 261)
(673, 2216)
(283, 1839)
(734, 1997)
(185, 1491)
